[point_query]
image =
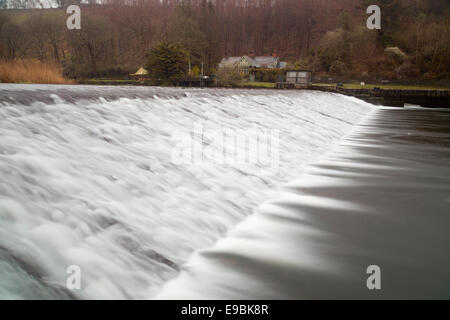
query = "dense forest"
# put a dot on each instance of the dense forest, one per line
(326, 36)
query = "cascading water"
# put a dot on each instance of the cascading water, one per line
(88, 179)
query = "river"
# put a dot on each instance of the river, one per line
(89, 178)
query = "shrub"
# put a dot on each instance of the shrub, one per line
(195, 72)
(266, 75)
(395, 54)
(338, 68)
(229, 77)
(407, 69)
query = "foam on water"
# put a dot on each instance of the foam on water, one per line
(90, 181)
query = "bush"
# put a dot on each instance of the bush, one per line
(395, 54)
(75, 70)
(266, 75)
(112, 72)
(195, 72)
(229, 77)
(408, 70)
(338, 68)
(311, 62)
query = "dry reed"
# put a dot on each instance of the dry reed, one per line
(31, 71)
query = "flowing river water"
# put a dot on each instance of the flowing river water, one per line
(88, 178)
(369, 220)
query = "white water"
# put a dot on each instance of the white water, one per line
(91, 182)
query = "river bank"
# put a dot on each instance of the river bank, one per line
(427, 98)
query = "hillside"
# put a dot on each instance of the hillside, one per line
(29, 4)
(328, 37)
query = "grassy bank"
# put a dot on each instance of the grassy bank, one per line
(387, 86)
(112, 82)
(270, 85)
(118, 82)
(31, 71)
(257, 85)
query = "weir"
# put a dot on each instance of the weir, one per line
(381, 198)
(88, 178)
(394, 98)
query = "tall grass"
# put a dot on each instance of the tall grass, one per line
(31, 71)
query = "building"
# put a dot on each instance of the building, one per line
(244, 63)
(295, 79)
(141, 72)
(302, 77)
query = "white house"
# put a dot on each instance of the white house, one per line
(244, 63)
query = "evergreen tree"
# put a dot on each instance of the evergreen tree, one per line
(186, 31)
(167, 61)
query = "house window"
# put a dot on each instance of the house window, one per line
(243, 69)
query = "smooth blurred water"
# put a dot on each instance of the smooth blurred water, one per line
(380, 198)
(86, 179)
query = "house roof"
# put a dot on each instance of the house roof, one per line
(141, 72)
(258, 61)
(264, 61)
(230, 60)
